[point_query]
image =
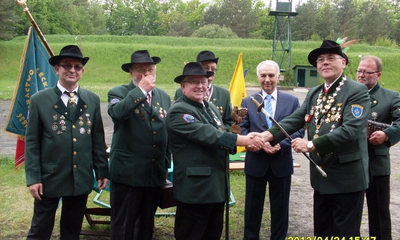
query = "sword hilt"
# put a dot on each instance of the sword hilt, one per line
(259, 105)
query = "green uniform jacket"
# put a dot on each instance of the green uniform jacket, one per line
(221, 98)
(200, 148)
(386, 103)
(61, 151)
(139, 155)
(341, 146)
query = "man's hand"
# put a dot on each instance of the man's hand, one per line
(102, 183)
(377, 137)
(267, 136)
(268, 148)
(255, 142)
(147, 83)
(36, 190)
(299, 145)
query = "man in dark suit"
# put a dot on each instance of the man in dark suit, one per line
(219, 96)
(200, 147)
(272, 164)
(385, 108)
(139, 156)
(64, 144)
(335, 115)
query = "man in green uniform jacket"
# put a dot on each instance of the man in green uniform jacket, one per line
(139, 156)
(335, 115)
(219, 96)
(200, 147)
(63, 147)
(385, 108)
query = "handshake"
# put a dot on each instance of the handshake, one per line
(255, 141)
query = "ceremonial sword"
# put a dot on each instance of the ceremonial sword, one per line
(260, 108)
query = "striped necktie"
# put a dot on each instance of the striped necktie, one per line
(149, 99)
(268, 107)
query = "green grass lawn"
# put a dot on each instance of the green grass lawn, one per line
(108, 53)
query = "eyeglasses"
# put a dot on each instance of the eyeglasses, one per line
(195, 83)
(329, 59)
(144, 70)
(211, 69)
(359, 72)
(68, 67)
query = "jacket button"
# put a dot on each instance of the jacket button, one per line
(75, 153)
(73, 126)
(74, 139)
(75, 167)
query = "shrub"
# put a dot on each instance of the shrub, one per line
(214, 31)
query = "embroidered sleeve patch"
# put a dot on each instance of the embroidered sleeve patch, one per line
(188, 118)
(114, 100)
(357, 110)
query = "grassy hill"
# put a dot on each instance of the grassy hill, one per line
(108, 53)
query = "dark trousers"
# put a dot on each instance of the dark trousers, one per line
(279, 193)
(44, 211)
(132, 211)
(338, 215)
(199, 221)
(378, 201)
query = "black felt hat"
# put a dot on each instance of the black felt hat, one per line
(141, 56)
(70, 51)
(193, 69)
(327, 46)
(205, 56)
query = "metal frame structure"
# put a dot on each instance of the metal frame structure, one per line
(282, 44)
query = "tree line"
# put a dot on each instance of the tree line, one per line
(374, 21)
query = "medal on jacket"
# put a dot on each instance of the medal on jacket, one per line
(324, 106)
(88, 122)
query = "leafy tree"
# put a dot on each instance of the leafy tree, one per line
(180, 28)
(326, 19)
(304, 24)
(97, 18)
(168, 15)
(214, 31)
(238, 15)
(346, 25)
(8, 19)
(395, 20)
(193, 12)
(373, 21)
(121, 18)
(266, 29)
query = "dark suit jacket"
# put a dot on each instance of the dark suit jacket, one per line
(386, 103)
(139, 155)
(281, 163)
(221, 98)
(63, 161)
(342, 153)
(200, 152)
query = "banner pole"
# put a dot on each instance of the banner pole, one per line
(22, 3)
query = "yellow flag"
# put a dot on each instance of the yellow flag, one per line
(237, 89)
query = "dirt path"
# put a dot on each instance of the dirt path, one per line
(301, 215)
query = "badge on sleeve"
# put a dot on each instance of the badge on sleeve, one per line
(357, 110)
(114, 100)
(188, 118)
